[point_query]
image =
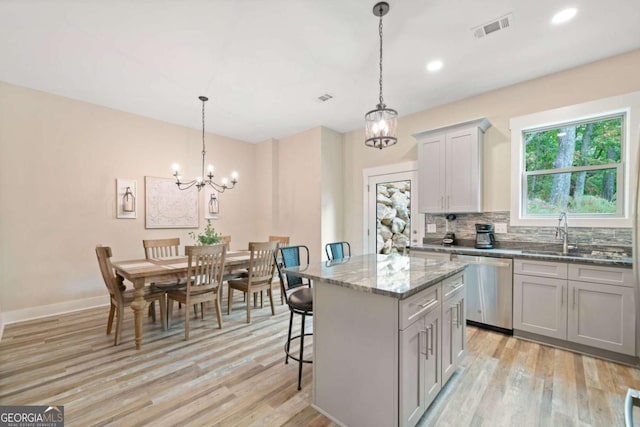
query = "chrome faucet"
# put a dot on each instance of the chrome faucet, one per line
(563, 233)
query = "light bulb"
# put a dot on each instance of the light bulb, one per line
(224, 181)
(176, 167)
(234, 175)
(210, 168)
(199, 179)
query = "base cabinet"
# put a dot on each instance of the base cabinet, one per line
(589, 311)
(453, 333)
(602, 316)
(432, 344)
(539, 305)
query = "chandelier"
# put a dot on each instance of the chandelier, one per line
(203, 179)
(381, 124)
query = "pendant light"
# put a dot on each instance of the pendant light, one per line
(203, 179)
(381, 124)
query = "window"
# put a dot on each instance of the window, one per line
(574, 167)
(596, 169)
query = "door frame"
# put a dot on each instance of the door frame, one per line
(367, 173)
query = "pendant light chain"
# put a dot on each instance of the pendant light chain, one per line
(203, 146)
(380, 32)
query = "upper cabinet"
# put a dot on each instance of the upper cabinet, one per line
(450, 167)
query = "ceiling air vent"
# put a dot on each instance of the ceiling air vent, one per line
(492, 26)
(325, 97)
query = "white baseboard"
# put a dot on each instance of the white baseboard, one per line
(49, 310)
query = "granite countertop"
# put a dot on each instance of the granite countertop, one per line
(588, 255)
(389, 275)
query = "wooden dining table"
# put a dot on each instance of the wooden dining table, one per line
(143, 272)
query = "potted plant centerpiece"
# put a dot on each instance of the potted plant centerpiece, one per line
(208, 237)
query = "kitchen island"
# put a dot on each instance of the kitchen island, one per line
(389, 331)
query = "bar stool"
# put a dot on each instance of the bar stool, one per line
(337, 250)
(299, 297)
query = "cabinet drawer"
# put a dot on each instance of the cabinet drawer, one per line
(444, 256)
(599, 274)
(420, 304)
(557, 270)
(452, 285)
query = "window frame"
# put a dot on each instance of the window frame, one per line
(627, 104)
(619, 167)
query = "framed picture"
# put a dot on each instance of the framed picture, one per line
(169, 207)
(211, 203)
(126, 198)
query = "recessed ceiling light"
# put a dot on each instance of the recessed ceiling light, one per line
(564, 15)
(434, 65)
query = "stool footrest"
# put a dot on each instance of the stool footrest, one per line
(288, 353)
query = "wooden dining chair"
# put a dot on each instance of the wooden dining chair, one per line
(260, 275)
(283, 241)
(204, 282)
(120, 297)
(227, 241)
(163, 248)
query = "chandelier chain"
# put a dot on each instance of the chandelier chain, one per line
(380, 32)
(203, 146)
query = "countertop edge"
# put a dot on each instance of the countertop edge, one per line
(383, 292)
(517, 253)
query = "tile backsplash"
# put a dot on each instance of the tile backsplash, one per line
(465, 230)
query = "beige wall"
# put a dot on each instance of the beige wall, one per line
(59, 159)
(299, 191)
(332, 185)
(613, 76)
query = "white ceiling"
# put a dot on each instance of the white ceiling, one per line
(264, 63)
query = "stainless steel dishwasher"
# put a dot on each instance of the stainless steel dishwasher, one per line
(489, 283)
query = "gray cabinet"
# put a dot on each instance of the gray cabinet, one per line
(453, 326)
(581, 303)
(450, 167)
(419, 352)
(432, 344)
(539, 305)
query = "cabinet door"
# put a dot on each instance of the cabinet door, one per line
(431, 173)
(413, 349)
(540, 305)
(453, 335)
(463, 171)
(602, 316)
(433, 356)
(459, 335)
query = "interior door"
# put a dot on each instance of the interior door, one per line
(393, 222)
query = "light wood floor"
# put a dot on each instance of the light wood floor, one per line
(237, 376)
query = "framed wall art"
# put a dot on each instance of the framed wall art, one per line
(169, 207)
(126, 198)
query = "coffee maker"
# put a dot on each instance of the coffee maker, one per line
(484, 236)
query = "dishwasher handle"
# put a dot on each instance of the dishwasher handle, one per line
(489, 263)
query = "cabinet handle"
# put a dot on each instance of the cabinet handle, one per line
(561, 297)
(431, 338)
(424, 343)
(461, 313)
(454, 320)
(456, 286)
(448, 204)
(442, 202)
(574, 298)
(428, 303)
